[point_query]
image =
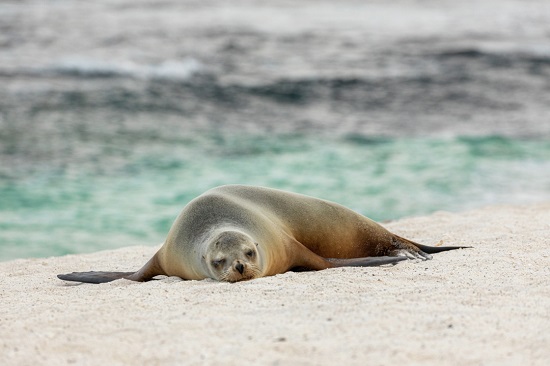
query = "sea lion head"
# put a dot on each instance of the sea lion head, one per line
(233, 256)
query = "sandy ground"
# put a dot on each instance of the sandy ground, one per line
(484, 306)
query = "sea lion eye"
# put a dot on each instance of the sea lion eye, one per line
(250, 254)
(218, 263)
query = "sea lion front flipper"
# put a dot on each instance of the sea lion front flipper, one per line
(151, 269)
(305, 259)
(94, 276)
(365, 262)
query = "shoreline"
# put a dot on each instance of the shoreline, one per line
(486, 305)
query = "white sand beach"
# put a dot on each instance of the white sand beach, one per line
(489, 305)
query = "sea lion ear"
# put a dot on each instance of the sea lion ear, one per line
(256, 244)
(203, 258)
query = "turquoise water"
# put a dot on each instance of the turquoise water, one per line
(130, 196)
(107, 133)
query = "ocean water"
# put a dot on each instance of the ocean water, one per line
(393, 110)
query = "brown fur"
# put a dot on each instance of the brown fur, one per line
(283, 230)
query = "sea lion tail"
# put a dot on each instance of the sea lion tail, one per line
(94, 276)
(429, 249)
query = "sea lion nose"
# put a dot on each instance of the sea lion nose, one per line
(239, 267)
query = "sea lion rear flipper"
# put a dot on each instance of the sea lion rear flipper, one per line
(94, 276)
(414, 250)
(432, 250)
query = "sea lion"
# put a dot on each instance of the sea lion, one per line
(234, 233)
